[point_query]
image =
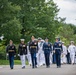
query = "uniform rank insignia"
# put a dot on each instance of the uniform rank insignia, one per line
(13, 47)
(23, 45)
(35, 43)
(48, 44)
(59, 44)
(73, 47)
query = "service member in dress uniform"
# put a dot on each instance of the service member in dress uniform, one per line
(40, 53)
(64, 53)
(68, 56)
(11, 52)
(22, 51)
(47, 48)
(57, 47)
(54, 58)
(29, 55)
(72, 50)
(51, 55)
(33, 47)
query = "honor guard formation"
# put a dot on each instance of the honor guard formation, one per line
(39, 52)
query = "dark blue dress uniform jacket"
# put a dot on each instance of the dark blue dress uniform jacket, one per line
(33, 47)
(11, 49)
(22, 49)
(57, 47)
(47, 48)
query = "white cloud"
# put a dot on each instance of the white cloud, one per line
(67, 9)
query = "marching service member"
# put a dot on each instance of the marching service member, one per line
(29, 56)
(22, 51)
(57, 47)
(47, 48)
(33, 47)
(72, 50)
(40, 53)
(64, 53)
(11, 52)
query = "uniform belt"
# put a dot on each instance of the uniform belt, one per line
(33, 47)
(58, 48)
(46, 48)
(11, 51)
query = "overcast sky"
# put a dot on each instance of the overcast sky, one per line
(67, 9)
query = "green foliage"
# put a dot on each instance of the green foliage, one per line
(37, 18)
(73, 27)
(8, 11)
(31, 17)
(24, 18)
(12, 29)
(66, 33)
(16, 62)
(2, 50)
(9, 24)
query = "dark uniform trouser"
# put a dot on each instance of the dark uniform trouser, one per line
(47, 59)
(54, 58)
(68, 59)
(11, 61)
(34, 59)
(58, 60)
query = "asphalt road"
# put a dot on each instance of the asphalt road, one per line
(64, 70)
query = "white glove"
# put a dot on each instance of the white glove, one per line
(7, 54)
(14, 55)
(54, 51)
(18, 54)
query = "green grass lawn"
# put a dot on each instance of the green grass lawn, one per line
(6, 62)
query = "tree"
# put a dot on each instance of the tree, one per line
(9, 24)
(37, 17)
(66, 33)
(11, 30)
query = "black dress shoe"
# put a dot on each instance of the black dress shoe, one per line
(73, 63)
(11, 67)
(47, 66)
(57, 66)
(23, 67)
(35, 66)
(43, 64)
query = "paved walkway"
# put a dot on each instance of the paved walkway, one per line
(64, 70)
